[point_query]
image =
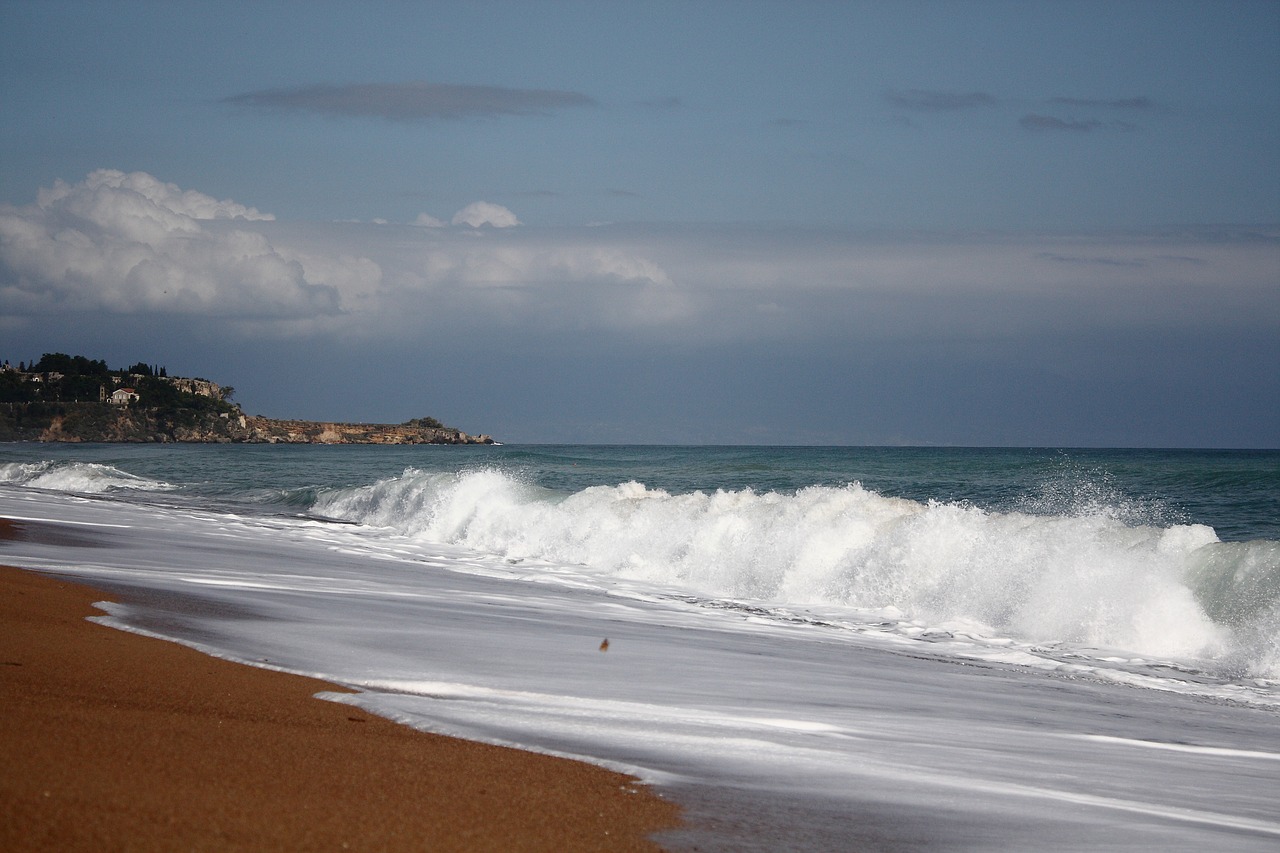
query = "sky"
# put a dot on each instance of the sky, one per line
(972, 222)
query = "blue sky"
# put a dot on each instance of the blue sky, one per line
(878, 222)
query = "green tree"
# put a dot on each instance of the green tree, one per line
(53, 362)
(15, 389)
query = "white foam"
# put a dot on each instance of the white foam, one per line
(79, 477)
(1185, 747)
(1090, 579)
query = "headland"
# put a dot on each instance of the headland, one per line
(65, 398)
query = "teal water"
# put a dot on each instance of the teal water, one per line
(1236, 492)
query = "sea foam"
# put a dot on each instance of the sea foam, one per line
(78, 477)
(1088, 579)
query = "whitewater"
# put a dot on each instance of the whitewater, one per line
(809, 648)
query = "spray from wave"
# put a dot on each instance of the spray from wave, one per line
(78, 477)
(1087, 578)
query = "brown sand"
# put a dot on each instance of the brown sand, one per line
(113, 741)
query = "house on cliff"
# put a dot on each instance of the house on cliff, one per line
(123, 396)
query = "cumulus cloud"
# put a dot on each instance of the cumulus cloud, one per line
(130, 243)
(480, 213)
(105, 247)
(924, 100)
(165, 200)
(414, 100)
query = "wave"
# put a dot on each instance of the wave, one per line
(1087, 578)
(78, 477)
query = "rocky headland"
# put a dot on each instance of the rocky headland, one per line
(102, 422)
(83, 401)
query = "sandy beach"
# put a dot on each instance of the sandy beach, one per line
(113, 741)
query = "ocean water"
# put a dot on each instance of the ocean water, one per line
(810, 648)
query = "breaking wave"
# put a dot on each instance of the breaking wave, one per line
(79, 477)
(1090, 577)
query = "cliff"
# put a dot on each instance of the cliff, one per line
(322, 432)
(105, 422)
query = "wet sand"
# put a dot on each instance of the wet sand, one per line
(113, 741)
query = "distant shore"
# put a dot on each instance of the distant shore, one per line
(71, 398)
(116, 741)
(113, 424)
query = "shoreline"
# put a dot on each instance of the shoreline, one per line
(113, 740)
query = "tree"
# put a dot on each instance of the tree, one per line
(53, 362)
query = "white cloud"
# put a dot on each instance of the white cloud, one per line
(164, 196)
(480, 213)
(426, 220)
(131, 244)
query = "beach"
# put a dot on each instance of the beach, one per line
(115, 741)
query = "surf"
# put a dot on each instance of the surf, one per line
(76, 477)
(1091, 579)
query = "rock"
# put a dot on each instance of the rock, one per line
(103, 422)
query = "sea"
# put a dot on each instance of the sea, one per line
(810, 649)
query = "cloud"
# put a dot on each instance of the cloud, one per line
(924, 100)
(121, 243)
(413, 101)
(1035, 122)
(93, 197)
(105, 252)
(804, 329)
(480, 213)
(1097, 261)
(1139, 103)
(426, 220)
(1038, 122)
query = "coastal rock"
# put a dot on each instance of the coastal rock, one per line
(272, 431)
(105, 422)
